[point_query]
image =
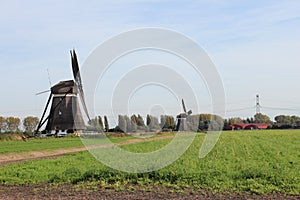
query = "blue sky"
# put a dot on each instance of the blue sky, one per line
(254, 44)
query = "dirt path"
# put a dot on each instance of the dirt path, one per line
(35, 155)
(68, 191)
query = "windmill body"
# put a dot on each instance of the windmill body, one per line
(181, 122)
(65, 114)
(182, 119)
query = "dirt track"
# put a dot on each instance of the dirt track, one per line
(68, 191)
(35, 155)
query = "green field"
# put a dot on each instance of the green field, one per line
(242, 161)
(39, 144)
(36, 144)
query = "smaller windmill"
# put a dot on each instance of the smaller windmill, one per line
(181, 119)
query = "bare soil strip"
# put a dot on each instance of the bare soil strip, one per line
(68, 191)
(35, 155)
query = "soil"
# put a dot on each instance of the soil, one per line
(68, 191)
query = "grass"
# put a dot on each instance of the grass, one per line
(39, 144)
(49, 143)
(9, 136)
(242, 161)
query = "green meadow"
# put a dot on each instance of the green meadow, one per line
(262, 161)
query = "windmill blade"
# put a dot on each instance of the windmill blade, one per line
(77, 78)
(41, 120)
(42, 92)
(184, 109)
(84, 104)
(75, 66)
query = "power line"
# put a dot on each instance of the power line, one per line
(240, 109)
(278, 108)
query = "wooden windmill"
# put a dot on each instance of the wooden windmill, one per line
(65, 114)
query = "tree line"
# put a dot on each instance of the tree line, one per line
(12, 124)
(286, 121)
(136, 123)
(281, 121)
(258, 118)
(96, 124)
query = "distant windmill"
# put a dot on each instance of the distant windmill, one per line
(181, 119)
(65, 114)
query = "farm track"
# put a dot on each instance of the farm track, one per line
(67, 191)
(10, 158)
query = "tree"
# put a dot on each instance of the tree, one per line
(226, 123)
(106, 125)
(235, 120)
(167, 122)
(148, 120)
(30, 123)
(13, 123)
(96, 124)
(100, 123)
(140, 122)
(3, 124)
(92, 122)
(261, 118)
(286, 121)
(133, 123)
(295, 121)
(192, 123)
(162, 121)
(128, 123)
(152, 123)
(122, 123)
(202, 126)
(204, 121)
(217, 123)
(283, 121)
(171, 122)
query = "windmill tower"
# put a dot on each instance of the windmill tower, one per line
(65, 114)
(181, 119)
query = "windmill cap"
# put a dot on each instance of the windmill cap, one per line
(64, 87)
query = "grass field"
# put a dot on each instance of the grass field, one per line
(242, 161)
(39, 144)
(36, 144)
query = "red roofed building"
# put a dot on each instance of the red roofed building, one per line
(247, 126)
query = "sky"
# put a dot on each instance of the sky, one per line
(255, 46)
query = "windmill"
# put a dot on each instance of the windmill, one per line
(181, 119)
(65, 114)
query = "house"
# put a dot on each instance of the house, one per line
(247, 126)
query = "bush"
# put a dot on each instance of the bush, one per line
(10, 136)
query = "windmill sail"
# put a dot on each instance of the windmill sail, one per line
(184, 109)
(77, 78)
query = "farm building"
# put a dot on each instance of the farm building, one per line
(247, 126)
